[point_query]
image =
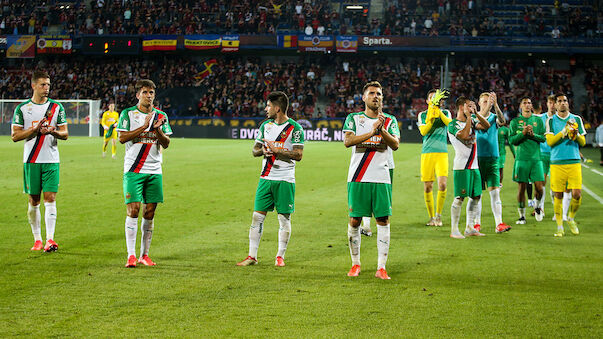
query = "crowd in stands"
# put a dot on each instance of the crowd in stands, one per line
(401, 17)
(593, 109)
(404, 82)
(238, 86)
(510, 81)
(465, 18)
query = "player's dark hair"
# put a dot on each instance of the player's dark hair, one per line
(431, 91)
(371, 84)
(559, 94)
(524, 98)
(279, 99)
(39, 75)
(144, 83)
(460, 101)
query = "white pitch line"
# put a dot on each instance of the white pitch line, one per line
(585, 166)
(599, 173)
(592, 194)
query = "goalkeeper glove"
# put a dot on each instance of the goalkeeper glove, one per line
(439, 95)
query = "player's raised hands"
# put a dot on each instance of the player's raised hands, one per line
(377, 125)
(159, 122)
(269, 148)
(147, 120)
(439, 96)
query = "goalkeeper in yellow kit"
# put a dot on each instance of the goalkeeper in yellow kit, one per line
(434, 154)
(109, 122)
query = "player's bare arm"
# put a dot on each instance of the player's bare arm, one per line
(392, 141)
(465, 133)
(258, 149)
(19, 133)
(350, 139)
(125, 136)
(61, 132)
(500, 118)
(483, 123)
(295, 154)
(162, 138)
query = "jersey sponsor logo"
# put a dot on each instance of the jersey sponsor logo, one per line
(374, 142)
(148, 137)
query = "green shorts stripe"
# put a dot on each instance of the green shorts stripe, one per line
(528, 171)
(141, 187)
(38, 178)
(366, 199)
(467, 183)
(489, 172)
(546, 162)
(275, 193)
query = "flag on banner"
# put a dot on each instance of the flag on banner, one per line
(54, 44)
(201, 42)
(230, 43)
(346, 44)
(159, 43)
(207, 71)
(287, 41)
(315, 43)
(20, 46)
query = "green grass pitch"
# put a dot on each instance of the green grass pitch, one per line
(524, 283)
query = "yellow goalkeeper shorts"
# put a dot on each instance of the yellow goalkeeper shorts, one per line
(433, 165)
(566, 174)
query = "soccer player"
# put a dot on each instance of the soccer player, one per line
(434, 153)
(109, 122)
(467, 179)
(281, 143)
(503, 139)
(527, 132)
(487, 158)
(40, 121)
(365, 227)
(545, 149)
(370, 133)
(565, 134)
(144, 129)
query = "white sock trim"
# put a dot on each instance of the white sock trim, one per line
(255, 233)
(383, 240)
(35, 221)
(284, 233)
(50, 218)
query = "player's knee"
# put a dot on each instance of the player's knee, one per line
(428, 187)
(576, 194)
(355, 222)
(49, 197)
(133, 210)
(34, 200)
(382, 220)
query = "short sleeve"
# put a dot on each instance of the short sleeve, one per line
(18, 117)
(260, 137)
(297, 136)
(61, 117)
(422, 118)
(453, 128)
(393, 128)
(124, 121)
(350, 124)
(581, 129)
(548, 128)
(166, 127)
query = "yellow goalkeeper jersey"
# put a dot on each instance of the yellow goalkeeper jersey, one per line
(109, 118)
